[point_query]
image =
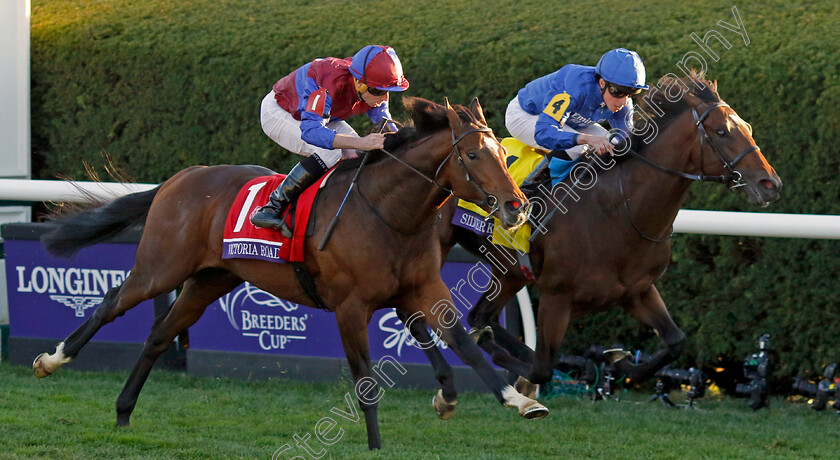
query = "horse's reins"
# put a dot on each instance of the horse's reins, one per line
(490, 200)
(734, 175)
(334, 221)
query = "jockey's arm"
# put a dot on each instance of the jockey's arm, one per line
(370, 142)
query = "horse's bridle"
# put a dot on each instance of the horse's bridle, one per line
(734, 175)
(490, 200)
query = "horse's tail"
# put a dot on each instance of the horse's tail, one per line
(98, 224)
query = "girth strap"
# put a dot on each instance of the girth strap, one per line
(307, 283)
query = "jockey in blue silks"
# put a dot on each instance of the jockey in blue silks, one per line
(305, 111)
(560, 112)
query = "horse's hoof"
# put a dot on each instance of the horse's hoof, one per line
(533, 411)
(615, 355)
(39, 367)
(443, 409)
(480, 334)
(525, 387)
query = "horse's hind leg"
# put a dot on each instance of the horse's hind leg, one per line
(199, 291)
(649, 309)
(352, 326)
(135, 289)
(446, 398)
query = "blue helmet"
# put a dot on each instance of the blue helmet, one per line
(622, 67)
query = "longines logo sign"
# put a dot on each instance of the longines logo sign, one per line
(76, 288)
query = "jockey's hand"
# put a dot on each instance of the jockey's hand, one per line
(600, 144)
(371, 142)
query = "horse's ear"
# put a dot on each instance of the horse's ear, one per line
(454, 121)
(475, 108)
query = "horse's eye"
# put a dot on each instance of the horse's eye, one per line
(472, 155)
(721, 132)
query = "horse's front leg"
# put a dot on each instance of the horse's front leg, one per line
(649, 309)
(432, 303)
(552, 321)
(506, 349)
(353, 328)
(446, 398)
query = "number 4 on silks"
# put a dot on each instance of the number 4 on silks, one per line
(556, 109)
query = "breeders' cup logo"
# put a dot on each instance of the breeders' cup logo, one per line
(399, 335)
(274, 331)
(77, 288)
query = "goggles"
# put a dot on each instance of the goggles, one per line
(376, 92)
(618, 91)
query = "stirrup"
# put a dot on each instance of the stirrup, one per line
(269, 217)
(284, 228)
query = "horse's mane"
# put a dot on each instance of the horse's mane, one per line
(427, 118)
(692, 84)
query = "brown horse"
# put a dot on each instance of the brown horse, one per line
(609, 239)
(384, 252)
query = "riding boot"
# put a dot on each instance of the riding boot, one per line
(270, 215)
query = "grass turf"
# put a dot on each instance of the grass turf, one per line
(71, 415)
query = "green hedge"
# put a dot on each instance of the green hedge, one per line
(158, 86)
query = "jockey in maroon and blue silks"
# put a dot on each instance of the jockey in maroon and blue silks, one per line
(305, 112)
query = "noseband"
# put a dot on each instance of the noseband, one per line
(734, 175)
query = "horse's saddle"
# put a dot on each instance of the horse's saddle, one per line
(244, 240)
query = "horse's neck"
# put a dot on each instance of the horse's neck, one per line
(403, 197)
(654, 197)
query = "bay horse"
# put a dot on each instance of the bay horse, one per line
(610, 240)
(384, 251)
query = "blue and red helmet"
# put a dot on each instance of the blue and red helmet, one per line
(622, 67)
(378, 66)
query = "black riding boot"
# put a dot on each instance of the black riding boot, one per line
(270, 215)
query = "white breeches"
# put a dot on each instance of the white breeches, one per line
(522, 125)
(283, 129)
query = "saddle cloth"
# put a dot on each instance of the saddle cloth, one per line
(471, 217)
(243, 240)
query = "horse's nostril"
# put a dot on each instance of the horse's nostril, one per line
(767, 184)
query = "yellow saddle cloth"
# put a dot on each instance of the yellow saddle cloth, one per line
(527, 159)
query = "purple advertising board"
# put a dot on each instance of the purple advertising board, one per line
(49, 297)
(249, 320)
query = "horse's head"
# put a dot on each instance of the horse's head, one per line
(475, 168)
(478, 168)
(726, 150)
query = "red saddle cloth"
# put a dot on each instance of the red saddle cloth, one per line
(244, 240)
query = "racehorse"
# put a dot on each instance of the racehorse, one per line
(384, 251)
(609, 239)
